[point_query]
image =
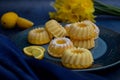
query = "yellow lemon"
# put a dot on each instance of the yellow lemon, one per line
(9, 19)
(35, 51)
(24, 23)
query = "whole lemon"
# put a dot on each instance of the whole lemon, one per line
(9, 19)
(24, 23)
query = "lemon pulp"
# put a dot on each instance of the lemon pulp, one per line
(35, 51)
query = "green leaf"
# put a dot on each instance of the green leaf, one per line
(102, 8)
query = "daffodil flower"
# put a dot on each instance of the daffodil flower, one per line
(73, 10)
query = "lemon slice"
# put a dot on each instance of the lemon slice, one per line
(40, 47)
(27, 51)
(37, 53)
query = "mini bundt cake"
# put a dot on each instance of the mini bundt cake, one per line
(96, 28)
(54, 28)
(77, 58)
(88, 44)
(58, 45)
(81, 31)
(38, 36)
(67, 28)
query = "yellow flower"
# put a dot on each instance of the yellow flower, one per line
(88, 5)
(73, 10)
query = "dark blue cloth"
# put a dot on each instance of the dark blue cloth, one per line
(14, 66)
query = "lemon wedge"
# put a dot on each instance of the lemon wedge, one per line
(35, 51)
(24, 23)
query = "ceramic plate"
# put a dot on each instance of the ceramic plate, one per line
(106, 52)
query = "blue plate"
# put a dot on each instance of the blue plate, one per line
(106, 52)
